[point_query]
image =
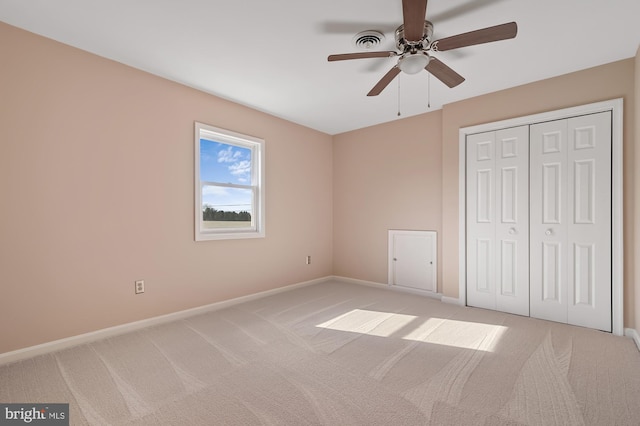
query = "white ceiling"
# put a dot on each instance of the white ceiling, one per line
(271, 55)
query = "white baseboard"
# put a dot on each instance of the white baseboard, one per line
(361, 282)
(417, 292)
(56, 345)
(452, 300)
(632, 333)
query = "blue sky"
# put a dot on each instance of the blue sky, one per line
(224, 163)
(220, 162)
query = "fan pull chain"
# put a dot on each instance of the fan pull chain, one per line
(399, 96)
(429, 90)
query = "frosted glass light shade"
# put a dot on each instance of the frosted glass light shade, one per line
(413, 63)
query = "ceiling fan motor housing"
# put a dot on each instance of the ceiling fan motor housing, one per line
(413, 46)
(414, 57)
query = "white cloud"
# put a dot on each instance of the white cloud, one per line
(241, 169)
(229, 155)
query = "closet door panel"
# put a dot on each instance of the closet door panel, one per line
(589, 228)
(481, 220)
(548, 220)
(498, 220)
(512, 222)
(570, 187)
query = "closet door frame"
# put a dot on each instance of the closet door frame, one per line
(616, 108)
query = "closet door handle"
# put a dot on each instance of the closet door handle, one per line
(513, 231)
(549, 231)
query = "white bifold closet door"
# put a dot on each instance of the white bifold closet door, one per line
(498, 220)
(539, 235)
(570, 232)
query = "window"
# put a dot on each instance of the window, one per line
(229, 181)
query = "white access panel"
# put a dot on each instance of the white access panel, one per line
(498, 220)
(413, 259)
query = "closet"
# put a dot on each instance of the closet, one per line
(538, 214)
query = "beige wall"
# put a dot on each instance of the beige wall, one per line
(96, 180)
(635, 288)
(385, 177)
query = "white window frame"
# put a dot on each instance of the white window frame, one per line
(256, 145)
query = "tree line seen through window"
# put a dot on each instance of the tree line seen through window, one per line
(211, 214)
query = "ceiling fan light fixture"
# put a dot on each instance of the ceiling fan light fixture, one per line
(413, 63)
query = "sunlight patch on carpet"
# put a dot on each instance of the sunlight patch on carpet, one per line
(373, 323)
(439, 331)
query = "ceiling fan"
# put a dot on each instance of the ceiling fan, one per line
(414, 42)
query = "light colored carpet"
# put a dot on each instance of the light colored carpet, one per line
(341, 354)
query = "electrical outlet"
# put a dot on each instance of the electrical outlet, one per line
(139, 286)
(308, 260)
